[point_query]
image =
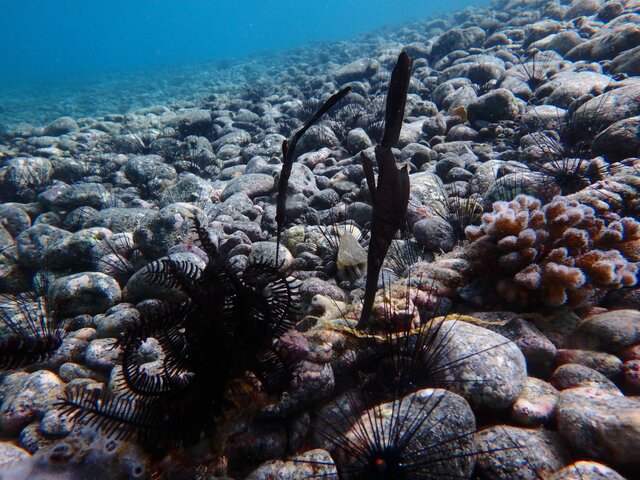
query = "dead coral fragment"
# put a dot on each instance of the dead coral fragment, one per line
(559, 254)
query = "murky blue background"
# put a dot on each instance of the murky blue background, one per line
(47, 46)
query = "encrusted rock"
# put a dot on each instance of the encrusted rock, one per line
(27, 397)
(586, 470)
(513, 452)
(600, 425)
(573, 375)
(537, 404)
(88, 292)
(608, 332)
(484, 367)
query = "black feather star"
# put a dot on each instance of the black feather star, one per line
(30, 332)
(227, 324)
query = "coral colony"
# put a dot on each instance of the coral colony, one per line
(365, 299)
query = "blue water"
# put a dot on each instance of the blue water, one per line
(53, 50)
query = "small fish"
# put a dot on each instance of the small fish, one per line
(288, 150)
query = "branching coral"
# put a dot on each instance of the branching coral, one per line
(559, 254)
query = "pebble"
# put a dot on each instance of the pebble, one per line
(119, 220)
(142, 169)
(101, 354)
(311, 464)
(484, 367)
(29, 397)
(631, 377)
(73, 252)
(194, 121)
(10, 455)
(33, 242)
(600, 425)
(573, 375)
(604, 363)
(14, 219)
(261, 441)
(140, 286)
(266, 252)
(166, 228)
(620, 140)
(439, 420)
(537, 404)
(68, 197)
(312, 382)
(499, 104)
(87, 292)
(188, 188)
(435, 234)
(61, 126)
(586, 470)
(608, 332)
(252, 185)
(357, 70)
(537, 349)
(515, 452)
(609, 107)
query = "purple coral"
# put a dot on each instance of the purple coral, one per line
(558, 254)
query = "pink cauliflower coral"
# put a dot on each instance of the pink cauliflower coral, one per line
(558, 254)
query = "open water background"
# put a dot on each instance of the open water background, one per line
(72, 57)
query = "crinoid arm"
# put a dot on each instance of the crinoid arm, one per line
(30, 334)
(119, 417)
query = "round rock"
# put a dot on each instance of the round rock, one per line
(252, 184)
(601, 426)
(435, 234)
(101, 354)
(537, 404)
(61, 126)
(14, 219)
(87, 292)
(484, 367)
(437, 420)
(584, 470)
(499, 104)
(144, 168)
(513, 452)
(11, 454)
(166, 228)
(33, 242)
(604, 363)
(573, 375)
(30, 397)
(312, 464)
(608, 332)
(266, 252)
